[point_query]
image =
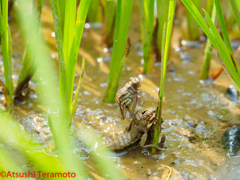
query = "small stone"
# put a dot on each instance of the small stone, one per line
(148, 172)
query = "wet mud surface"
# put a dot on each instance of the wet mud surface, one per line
(195, 114)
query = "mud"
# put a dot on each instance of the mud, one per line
(194, 113)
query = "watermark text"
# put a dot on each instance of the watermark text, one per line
(39, 174)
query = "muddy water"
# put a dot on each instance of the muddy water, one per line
(194, 114)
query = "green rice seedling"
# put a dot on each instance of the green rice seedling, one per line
(46, 74)
(69, 28)
(208, 51)
(229, 18)
(209, 6)
(123, 16)
(223, 48)
(70, 69)
(68, 54)
(109, 17)
(162, 15)
(236, 9)
(61, 8)
(166, 38)
(28, 67)
(147, 25)
(6, 51)
(193, 27)
(93, 11)
(74, 103)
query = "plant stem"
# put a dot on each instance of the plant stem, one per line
(147, 25)
(81, 18)
(167, 31)
(109, 19)
(63, 109)
(236, 9)
(193, 27)
(123, 16)
(74, 103)
(93, 11)
(208, 50)
(28, 67)
(209, 6)
(69, 28)
(6, 52)
(59, 40)
(61, 8)
(162, 15)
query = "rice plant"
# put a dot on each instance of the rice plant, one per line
(28, 66)
(209, 6)
(208, 51)
(147, 25)
(109, 16)
(6, 52)
(166, 38)
(123, 14)
(162, 15)
(93, 11)
(46, 73)
(68, 52)
(192, 25)
(224, 49)
(21, 91)
(236, 10)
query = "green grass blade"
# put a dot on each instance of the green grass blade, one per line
(63, 96)
(147, 26)
(236, 9)
(208, 50)
(229, 17)
(69, 28)
(28, 67)
(238, 4)
(162, 15)
(46, 75)
(223, 26)
(209, 6)
(59, 41)
(74, 103)
(109, 15)
(81, 18)
(193, 27)
(228, 59)
(217, 42)
(61, 8)
(93, 10)
(123, 16)
(165, 50)
(6, 52)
